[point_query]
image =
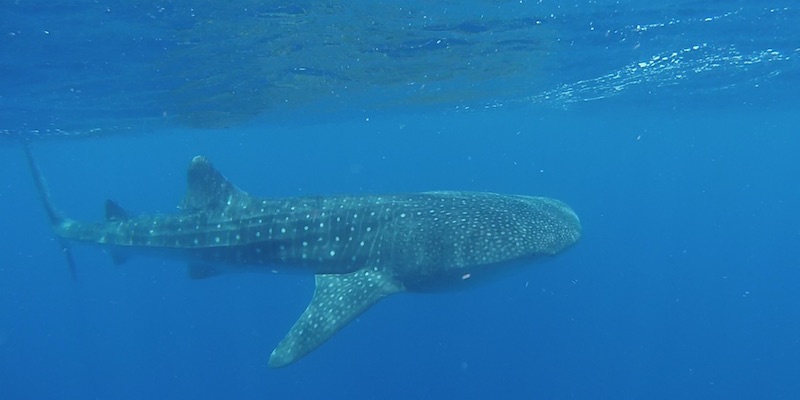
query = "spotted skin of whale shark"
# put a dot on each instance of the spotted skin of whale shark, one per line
(360, 248)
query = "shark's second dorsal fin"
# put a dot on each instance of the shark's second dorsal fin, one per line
(207, 189)
(115, 213)
(338, 299)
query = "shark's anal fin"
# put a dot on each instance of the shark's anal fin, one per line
(73, 269)
(338, 299)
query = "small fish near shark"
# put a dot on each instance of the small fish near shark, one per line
(360, 248)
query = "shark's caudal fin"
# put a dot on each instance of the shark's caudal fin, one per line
(53, 214)
(338, 299)
(56, 218)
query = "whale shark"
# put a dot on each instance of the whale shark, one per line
(360, 248)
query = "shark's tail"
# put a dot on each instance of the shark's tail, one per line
(56, 218)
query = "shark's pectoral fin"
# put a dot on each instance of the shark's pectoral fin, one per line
(338, 299)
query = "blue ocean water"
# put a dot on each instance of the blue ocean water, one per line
(671, 129)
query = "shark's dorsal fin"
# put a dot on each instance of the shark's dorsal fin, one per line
(208, 190)
(114, 212)
(338, 299)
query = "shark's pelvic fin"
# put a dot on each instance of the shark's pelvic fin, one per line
(338, 299)
(203, 271)
(208, 190)
(118, 258)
